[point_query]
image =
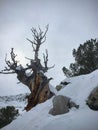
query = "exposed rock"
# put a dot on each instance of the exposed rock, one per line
(62, 85)
(59, 87)
(92, 101)
(65, 83)
(61, 105)
(73, 104)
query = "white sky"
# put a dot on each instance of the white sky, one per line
(71, 22)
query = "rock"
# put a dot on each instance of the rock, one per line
(92, 101)
(61, 105)
(59, 87)
(72, 104)
(65, 83)
(62, 85)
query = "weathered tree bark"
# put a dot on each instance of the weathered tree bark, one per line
(37, 82)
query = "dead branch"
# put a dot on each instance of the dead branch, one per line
(39, 38)
(45, 60)
(12, 65)
(45, 56)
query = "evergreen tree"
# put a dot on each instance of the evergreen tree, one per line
(7, 115)
(86, 59)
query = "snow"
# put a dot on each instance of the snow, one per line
(75, 120)
(83, 118)
(52, 89)
(28, 73)
(18, 101)
(19, 67)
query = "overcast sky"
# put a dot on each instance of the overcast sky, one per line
(71, 22)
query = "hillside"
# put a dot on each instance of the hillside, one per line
(18, 101)
(83, 118)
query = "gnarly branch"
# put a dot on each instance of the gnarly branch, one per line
(35, 64)
(45, 59)
(32, 44)
(46, 62)
(39, 38)
(11, 65)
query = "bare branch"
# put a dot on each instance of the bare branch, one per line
(45, 31)
(39, 38)
(51, 67)
(46, 62)
(11, 65)
(40, 32)
(13, 56)
(28, 58)
(31, 41)
(45, 59)
(44, 39)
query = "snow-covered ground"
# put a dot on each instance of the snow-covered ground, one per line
(77, 119)
(18, 101)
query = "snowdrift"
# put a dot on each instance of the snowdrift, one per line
(77, 119)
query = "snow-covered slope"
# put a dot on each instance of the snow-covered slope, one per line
(77, 119)
(18, 101)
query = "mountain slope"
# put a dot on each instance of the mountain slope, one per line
(77, 119)
(18, 101)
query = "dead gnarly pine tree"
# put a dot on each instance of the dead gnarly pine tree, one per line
(37, 82)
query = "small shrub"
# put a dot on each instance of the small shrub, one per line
(7, 115)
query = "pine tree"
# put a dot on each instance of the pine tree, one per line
(86, 59)
(7, 115)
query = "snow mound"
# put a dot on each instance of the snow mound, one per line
(83, 118)
(80, 87)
